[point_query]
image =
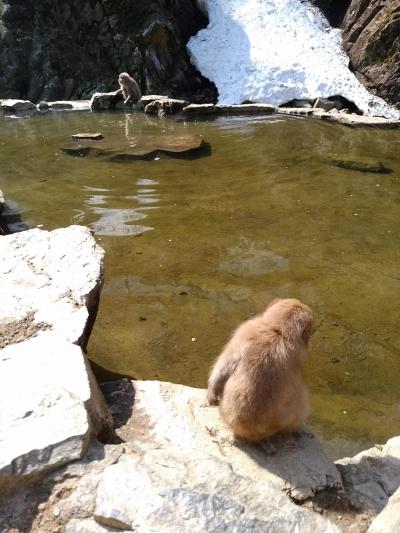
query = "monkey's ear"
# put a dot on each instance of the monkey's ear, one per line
(298, 324)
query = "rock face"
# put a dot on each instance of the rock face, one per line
(371, 38)
(51, 404)
(372, 476)
(62, 50)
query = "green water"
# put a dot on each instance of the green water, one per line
(194, 247)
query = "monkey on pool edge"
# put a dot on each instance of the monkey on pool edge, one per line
(130, 89)
(257, 380)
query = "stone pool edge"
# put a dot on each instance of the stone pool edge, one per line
(164, 105)
(51, 283)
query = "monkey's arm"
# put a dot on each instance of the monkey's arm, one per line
(223, 369)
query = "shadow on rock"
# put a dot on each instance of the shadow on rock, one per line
(120, 397)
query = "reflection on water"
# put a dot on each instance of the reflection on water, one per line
(265, 215)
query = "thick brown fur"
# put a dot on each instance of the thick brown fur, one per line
(257, 379)
(130, 89)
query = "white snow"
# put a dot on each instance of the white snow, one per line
(276, 50)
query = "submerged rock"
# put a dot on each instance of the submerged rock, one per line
(362, 166)
(144, 147)
(92, 136)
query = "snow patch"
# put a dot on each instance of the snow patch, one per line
(276, 50)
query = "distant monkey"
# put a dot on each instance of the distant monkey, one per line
(130, 89)
(257, 380)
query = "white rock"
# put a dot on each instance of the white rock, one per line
(180, 416)
(269, 51)
(51, 279)
(372, 476)
(53, 405)
(388, 521)
(169, 489)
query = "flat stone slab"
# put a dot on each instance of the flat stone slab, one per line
(372, 476)
(91, 136)
(144, 147)
(180, 416)
(183, 473)
(148, 98)
(223, 110)
(348, 119)
(53, 406)
(49, 280)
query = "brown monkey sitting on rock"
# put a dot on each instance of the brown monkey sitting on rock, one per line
(257, 379)
(130, 89)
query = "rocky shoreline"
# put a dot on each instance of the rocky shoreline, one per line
(163, 105)
(153, 456)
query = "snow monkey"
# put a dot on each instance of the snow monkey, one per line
(257, 379)
(130, 89)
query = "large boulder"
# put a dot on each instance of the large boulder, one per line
(49, 281)
(371, 38)
(51, 404)
(16, 106)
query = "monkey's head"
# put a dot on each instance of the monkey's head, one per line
(292, 318)
(123, 78)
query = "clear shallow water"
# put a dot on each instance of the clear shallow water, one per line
(194, 247)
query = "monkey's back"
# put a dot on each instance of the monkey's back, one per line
(266, 393)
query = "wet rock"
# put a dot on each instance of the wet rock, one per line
(148, 98)
(60, 105)
(92, 136)
(298, 111)
(17, 106)
(51, 417)
(51, 279)
(362, 166)
(143, 147)
(106, 101)
(388, 520)
(371, 477)
(223, 110)
(370, 37)
(166, 106)
(324, 103)
(298, 103)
